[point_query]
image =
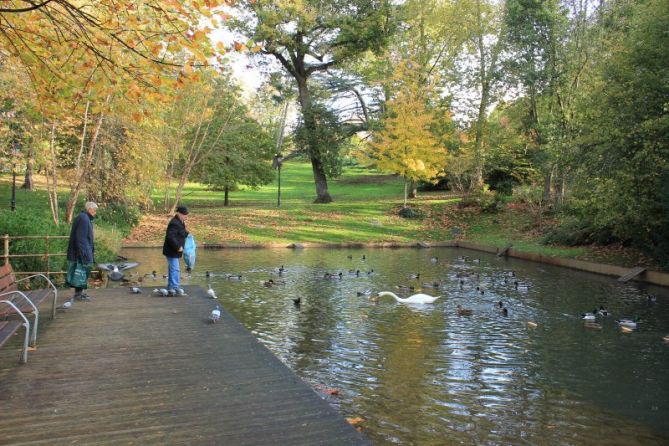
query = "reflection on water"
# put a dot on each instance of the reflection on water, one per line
(422, 375)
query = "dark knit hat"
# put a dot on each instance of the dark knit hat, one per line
(182, 210)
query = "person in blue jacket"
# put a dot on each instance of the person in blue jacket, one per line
(81, 246)
(173, 248)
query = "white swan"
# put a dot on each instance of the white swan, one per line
(415, 299)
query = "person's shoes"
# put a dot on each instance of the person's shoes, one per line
(83, 297)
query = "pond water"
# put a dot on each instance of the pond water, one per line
(423, 375)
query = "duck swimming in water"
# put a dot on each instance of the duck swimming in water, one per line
(631, 324)
(589, 316)
(415, 299)
(464, 311)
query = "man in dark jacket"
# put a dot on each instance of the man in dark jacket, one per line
(81, 248)
(173, 248)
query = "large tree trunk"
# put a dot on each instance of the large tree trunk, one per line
(413, 189)
(320, 179)
(30, 164)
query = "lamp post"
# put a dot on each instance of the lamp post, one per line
(278, 161)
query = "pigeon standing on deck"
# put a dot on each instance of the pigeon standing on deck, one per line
(135, 290)
(162, 292)
(181, 292)
(211, 293)
(215, 314)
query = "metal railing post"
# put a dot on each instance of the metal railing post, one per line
(5, 239)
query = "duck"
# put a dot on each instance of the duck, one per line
(234, 277)
(215, 314)
(434, 259)
(297, 301)
(414, 276)
(500, 304)
(464, 311)
(592, 326)
(505, 312)
(280, 270)
(370, 272)
(589, 316)
(415, 299)
(651, 299)
(211, 293)
(631, 324)
(350, 257)
(431, 285)
(532, 324)
(268, 283)
(367, 292)
(208, 274)
(666, 338)
(602, 311)
(405, 287)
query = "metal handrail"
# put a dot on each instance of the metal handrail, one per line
(6, 255)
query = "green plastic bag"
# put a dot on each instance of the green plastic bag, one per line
(77, 274)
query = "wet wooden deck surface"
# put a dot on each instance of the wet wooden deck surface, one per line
(137, 369)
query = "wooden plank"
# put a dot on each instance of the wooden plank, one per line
(631, 274)
(505, 250)
(138, 369)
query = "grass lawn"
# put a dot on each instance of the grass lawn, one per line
(364, 210)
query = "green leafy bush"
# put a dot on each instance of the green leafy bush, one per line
(119, 215)
(485, 199)
(28, 222)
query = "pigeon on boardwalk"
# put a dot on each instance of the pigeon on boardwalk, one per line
(172, 292)
(215, 314)
(211, 293)
(66, 305)
(135, 290)
(162, 292)
(181, 292)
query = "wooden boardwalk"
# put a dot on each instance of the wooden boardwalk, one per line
(141, 370)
